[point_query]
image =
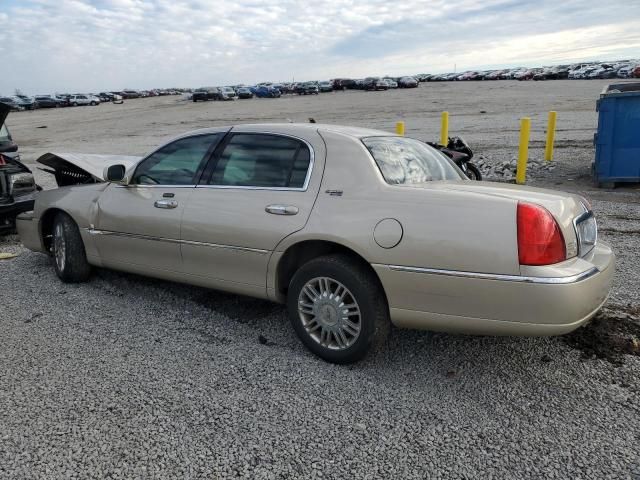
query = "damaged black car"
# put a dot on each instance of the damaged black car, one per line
(17, 185)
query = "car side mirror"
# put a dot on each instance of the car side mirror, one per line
(115, 173)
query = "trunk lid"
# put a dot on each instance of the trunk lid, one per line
(565, 207)
(560, 204)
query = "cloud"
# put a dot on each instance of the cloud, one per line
(80, 45)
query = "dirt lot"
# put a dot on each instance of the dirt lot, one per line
(128, 377)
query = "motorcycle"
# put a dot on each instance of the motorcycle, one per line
(459, 151)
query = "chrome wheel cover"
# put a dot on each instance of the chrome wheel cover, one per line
(59, 247)
(329, 313)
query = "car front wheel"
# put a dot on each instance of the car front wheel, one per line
(338, 308)
(70, 259)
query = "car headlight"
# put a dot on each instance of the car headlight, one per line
(21, 184)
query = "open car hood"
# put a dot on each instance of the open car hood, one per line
(79, 168)
(4, 111)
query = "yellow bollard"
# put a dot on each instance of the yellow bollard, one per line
(444, 129)
(523, 154)
(400, 128)
(551, 136)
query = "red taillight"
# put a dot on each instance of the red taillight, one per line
(540, 241)
(2, 160)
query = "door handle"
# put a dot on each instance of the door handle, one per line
(165, 204)
(281, 209)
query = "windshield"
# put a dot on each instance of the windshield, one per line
(405, 161)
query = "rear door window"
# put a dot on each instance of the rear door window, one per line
(263, 161)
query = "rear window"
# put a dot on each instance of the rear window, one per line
(404, 161)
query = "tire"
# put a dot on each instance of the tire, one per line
(356, 285)
(473, 173)
(75, 104)
(69, 256)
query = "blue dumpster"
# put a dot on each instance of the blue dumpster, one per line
(618, 139)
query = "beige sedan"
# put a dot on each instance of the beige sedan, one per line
(353, 229)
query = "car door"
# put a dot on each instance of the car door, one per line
(138, 224)
(259, 188)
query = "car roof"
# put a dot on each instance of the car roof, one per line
(295, 129)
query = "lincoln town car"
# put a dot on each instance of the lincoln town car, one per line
(355, 230)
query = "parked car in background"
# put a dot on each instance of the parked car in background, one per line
(325, 86)
(407, 82)
(392, 83)
(205, 93)
(307, 88)
(561, 72)
(603, 72)
(579, 72)
(335, 222)
(83, 99)
(285, 88)
(46, 101)
(635, 73)
(265, 91)
(11, 103)
(106, 97)
(63, 99)
(344, 83)
(117, 98)
(375, 83)
(625, 71)
(127, 94)
(27, 103)
(495, 75)
(245, 92)
(17, 185)
(227, 93)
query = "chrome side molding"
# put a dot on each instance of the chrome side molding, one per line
(496, 276)
(93, 231)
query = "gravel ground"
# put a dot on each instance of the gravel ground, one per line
(129, 377)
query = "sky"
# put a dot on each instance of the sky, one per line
(49, 46)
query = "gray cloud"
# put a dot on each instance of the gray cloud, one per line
(76, 45)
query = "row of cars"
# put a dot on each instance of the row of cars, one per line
(275, 90)
(20, 101)
(23, 102)
(577, 71)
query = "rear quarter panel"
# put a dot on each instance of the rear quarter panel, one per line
(442, 228)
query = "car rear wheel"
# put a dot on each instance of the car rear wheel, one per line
(70, 259)
(338, 308)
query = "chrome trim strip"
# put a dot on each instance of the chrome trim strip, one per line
(496, 276)
(246, 187)
(138, 185)
(93, 231)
